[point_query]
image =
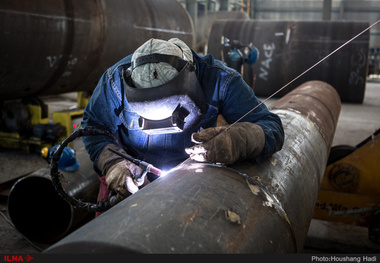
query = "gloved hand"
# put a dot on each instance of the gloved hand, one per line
(118, 171)
(244, 140)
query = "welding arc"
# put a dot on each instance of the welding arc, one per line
(300, 75)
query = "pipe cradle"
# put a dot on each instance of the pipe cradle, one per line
(53, 47)
(244, 208)
(39, 213)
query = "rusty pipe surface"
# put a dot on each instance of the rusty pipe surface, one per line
(40, 214)
(244, 208)
(53, 47)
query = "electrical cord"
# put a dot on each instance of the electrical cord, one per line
(56, 176)
(56, 179)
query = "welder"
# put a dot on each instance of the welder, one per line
(162, 103)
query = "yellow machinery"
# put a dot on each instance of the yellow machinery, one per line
(350, 189)
(21, 124)
(26, 125)
(70, 120)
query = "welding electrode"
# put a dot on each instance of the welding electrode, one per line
(147, 167)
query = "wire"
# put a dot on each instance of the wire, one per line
(303, 73)
(56, 175)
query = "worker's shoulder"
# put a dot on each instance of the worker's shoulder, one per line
(208, 62)
(120, 65)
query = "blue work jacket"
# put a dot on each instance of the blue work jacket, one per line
(225, 91)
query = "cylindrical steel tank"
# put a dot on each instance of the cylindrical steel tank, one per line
(244, 208)
(205, 21)
(52, 47)
(353, 10)
(40, 214)
(288, 48)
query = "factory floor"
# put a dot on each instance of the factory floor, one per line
(356, 123)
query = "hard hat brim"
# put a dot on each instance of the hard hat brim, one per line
(71, 168)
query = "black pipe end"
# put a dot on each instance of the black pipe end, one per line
(37, 211)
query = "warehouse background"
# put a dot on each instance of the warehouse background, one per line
(64, 91)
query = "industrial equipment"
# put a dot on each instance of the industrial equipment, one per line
(57, 47)
(289, 47)
(244, 208)
(205, 20)
(350, 190)
(238, 54)
(26, 125)
(39, 213)
(70, 119)
(146, 167)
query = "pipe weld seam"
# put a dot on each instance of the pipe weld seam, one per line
(278, 207)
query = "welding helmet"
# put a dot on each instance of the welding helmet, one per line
(162, 87)
(67, 161)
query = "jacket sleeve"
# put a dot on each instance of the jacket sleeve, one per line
(99, 112)
(237, 100)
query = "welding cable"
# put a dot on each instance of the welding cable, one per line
(56, 175)
(106, 204)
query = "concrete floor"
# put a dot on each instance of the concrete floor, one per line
(356, 122)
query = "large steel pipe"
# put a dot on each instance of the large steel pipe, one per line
(245, 208)
(205, 21)
(288, 48)
(52, 47)
(39, 213)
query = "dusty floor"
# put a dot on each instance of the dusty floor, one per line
(356, 122)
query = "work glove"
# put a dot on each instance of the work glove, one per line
(243, 140)
(119, 172)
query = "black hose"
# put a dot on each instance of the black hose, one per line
(56, 175)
